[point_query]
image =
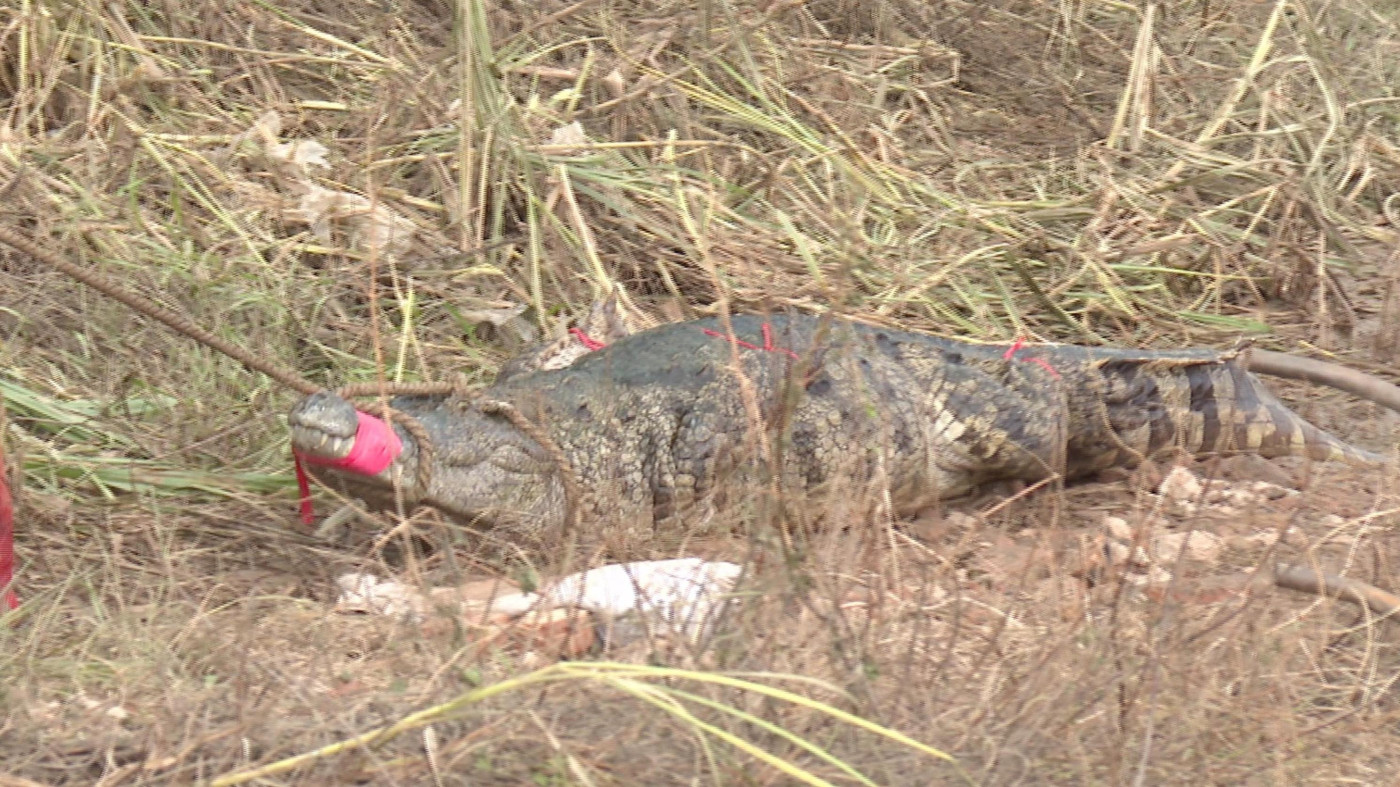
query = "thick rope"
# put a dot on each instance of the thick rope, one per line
(181, 324)
(572, 501)
(361, 390)
(427, 453)
(176, 322)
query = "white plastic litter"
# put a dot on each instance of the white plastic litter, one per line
(682, 597)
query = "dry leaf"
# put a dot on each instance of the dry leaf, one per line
(569, 139)
(376, 227)
(301, 153)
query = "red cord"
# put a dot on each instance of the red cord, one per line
(308, 513)
(7, 539)
(1041, 362)
(768, 345)
(587, 341)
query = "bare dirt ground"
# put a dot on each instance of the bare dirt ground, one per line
(1011, 639)
(1181, 176)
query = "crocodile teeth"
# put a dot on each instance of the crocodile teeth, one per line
(308, 440)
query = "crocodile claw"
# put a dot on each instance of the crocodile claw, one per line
(323, 425)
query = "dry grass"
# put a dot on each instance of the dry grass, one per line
(1177, 175)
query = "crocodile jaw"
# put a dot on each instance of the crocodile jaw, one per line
(312, 442)
(324, 430)
(323, 426)
(485, 470)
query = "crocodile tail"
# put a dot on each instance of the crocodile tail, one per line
(1217, 407)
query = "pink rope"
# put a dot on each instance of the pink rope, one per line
(1012, 350)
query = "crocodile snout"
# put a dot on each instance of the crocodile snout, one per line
(323, 425)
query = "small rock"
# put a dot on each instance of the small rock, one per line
(1270, 491)
(1180, 485)
(1221, 493)
(1246, 494)
(959, 520)
(118, 712)
(1230, 498)
(1196, 545)
(1252, 467)
(1118, 527)
(1117, 553)
(1262, 538)
(1156, 575)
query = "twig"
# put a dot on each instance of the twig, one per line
(1332, 375)
(1308, 580)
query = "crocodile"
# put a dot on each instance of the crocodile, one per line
(657, 428)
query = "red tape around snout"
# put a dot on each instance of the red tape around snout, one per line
(376, 446)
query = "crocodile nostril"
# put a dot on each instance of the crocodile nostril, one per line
(326, 412)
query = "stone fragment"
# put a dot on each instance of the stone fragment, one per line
(1118, 527)
(1196, 545)
(1180, 485)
